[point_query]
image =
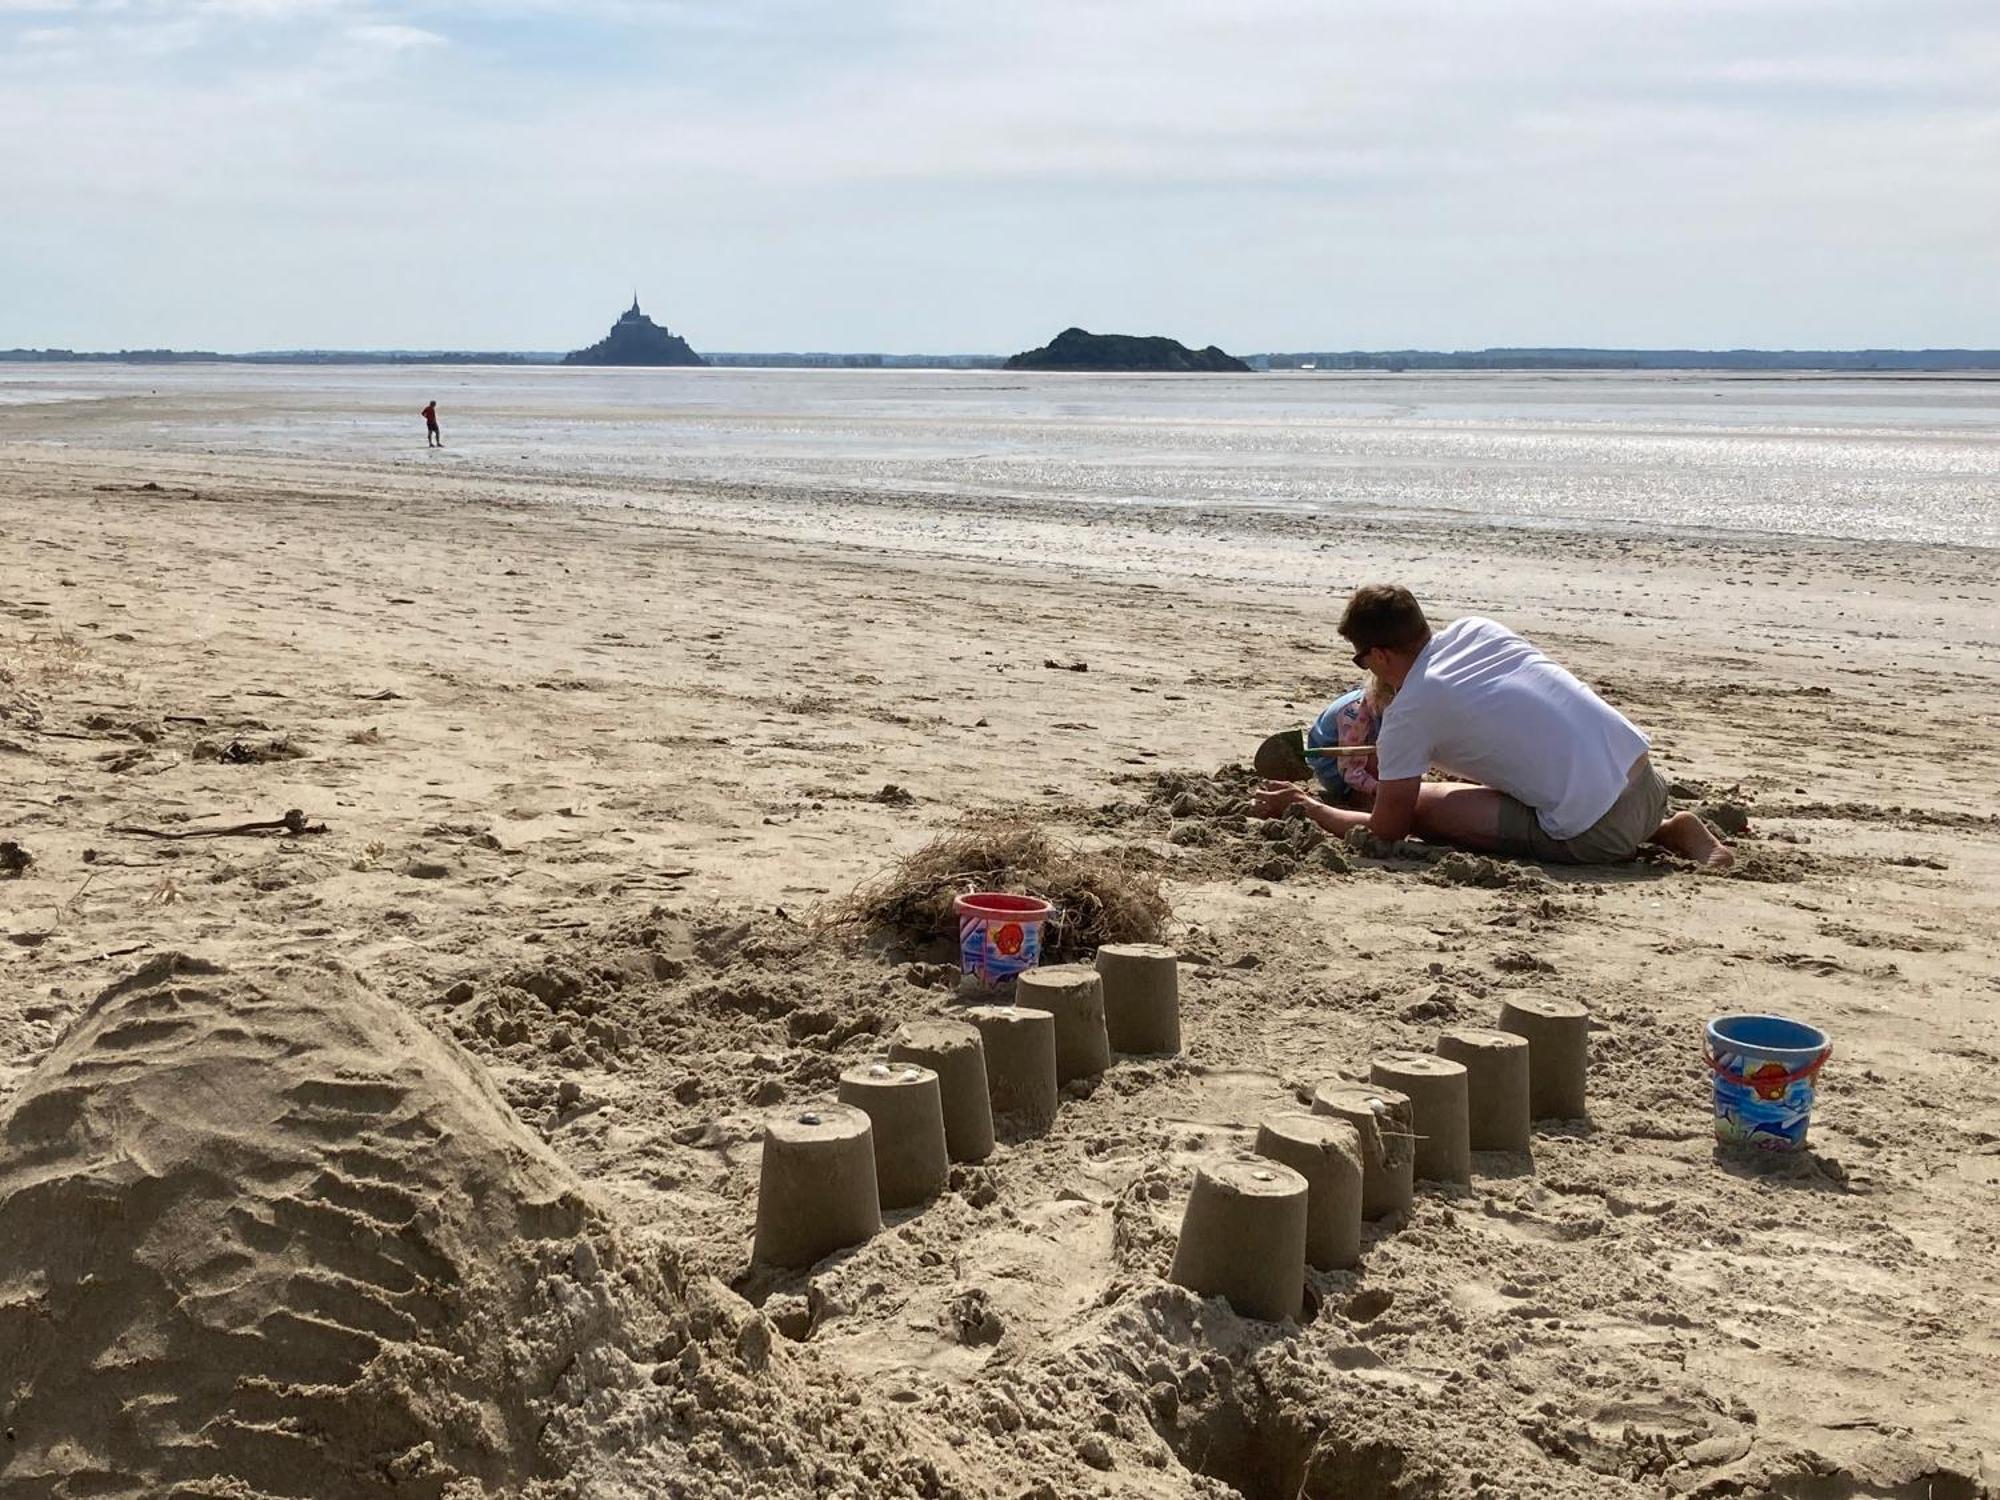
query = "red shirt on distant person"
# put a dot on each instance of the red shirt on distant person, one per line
(432, 437)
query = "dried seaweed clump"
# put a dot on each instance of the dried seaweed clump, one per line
(1099, 895)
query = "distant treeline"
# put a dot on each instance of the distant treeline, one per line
(276, 357)
(802, 361)
(1634, 359)
(834, 361)
(1860, 360)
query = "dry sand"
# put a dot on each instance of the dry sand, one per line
(584, 776)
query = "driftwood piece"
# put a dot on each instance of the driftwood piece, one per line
(293, 822)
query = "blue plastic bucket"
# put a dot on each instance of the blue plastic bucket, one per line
(1764, 1068)
(999, 935)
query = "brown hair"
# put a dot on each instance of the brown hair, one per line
(1386, 615)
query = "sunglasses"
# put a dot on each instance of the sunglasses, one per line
(1361, 657)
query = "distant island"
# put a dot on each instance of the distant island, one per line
(636, 339)
(1074, 349)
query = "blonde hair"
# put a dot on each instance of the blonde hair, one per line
(1376, 693)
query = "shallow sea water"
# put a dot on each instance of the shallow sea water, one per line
(1893, 458)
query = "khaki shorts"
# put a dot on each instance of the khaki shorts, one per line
(1614, 838)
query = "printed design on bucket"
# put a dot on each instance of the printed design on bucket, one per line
(999, 934)
(1765, 1072)
(1770, 1082)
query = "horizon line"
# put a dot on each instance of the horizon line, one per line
(57, 354)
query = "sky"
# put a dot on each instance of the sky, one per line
(937, 176)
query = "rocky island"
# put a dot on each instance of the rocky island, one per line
(636, 339)
(1075, 349)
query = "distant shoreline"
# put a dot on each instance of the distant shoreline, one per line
(1942, 362)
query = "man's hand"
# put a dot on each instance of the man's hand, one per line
(1274, 798)
(1395, 812)
(1282, 800)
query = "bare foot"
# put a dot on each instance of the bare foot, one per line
(1689, 837)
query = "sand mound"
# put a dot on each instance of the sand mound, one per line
(1099, 896)
(270, 1230)
(264, 1235)
(1207, 817)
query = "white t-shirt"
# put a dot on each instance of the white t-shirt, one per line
(1482, 703)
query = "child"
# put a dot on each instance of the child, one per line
(1351, 719)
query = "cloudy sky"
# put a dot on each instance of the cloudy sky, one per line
(929, 175)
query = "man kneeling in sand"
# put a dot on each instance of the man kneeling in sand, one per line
(1559, 774)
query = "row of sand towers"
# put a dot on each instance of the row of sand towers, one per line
(1254, 1221)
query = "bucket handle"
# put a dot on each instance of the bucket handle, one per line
(1785, 1080)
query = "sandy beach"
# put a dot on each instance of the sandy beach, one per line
(585, 760)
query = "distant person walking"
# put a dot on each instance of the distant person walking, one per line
(432, 437)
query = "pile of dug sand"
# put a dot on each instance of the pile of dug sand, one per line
(1098, 896)
(262, 1234)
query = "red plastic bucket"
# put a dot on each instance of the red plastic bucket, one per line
(999, 935)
